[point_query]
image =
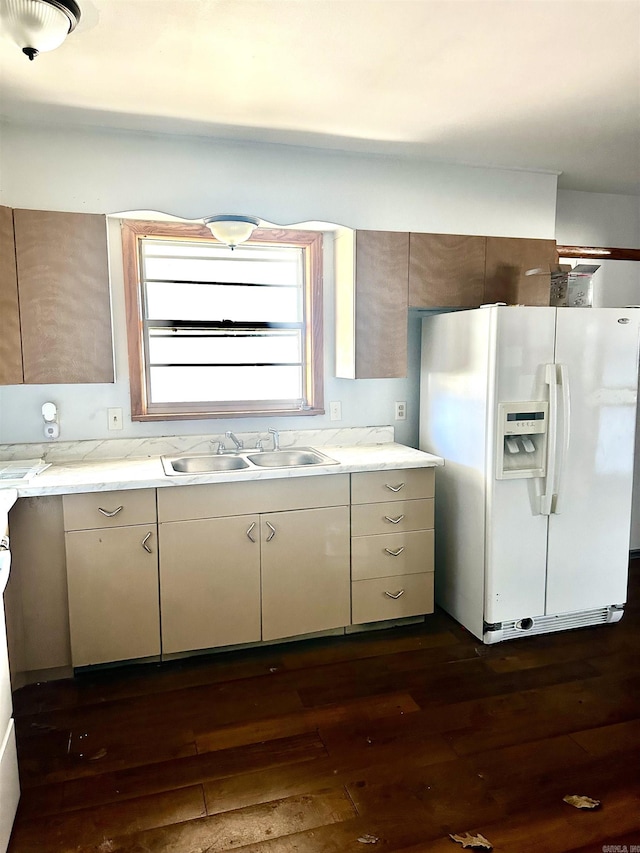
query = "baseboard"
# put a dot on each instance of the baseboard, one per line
(32, 676)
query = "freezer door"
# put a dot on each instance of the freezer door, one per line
(588, 551)
(516, 531)
(453, 424)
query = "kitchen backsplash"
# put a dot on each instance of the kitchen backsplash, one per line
(127, 448)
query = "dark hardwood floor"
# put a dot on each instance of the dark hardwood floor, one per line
(405, 735)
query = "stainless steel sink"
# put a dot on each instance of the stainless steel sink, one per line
(296, 457)
(293, 458)
(202, 464)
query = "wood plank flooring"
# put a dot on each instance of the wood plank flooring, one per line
(405, 735)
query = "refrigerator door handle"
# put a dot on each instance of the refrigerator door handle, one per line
(551, 379)
(566, 433)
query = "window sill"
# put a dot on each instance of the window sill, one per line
(264, 413)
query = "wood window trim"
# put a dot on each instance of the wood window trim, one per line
(311, 241)
(602, 253)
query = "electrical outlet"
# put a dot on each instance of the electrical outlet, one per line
(335, 411)
(115, 418)
(401, 411)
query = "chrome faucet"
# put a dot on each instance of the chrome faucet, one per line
(221, 448)
(237, 441)
(276, 438)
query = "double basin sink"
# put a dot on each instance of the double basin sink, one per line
(296, 457)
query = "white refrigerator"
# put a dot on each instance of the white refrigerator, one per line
(534, 412)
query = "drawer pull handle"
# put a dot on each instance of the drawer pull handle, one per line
(273, 532)
(394, 595)
(250, 530)
(394, 488)
(393, 520)
(144, 543)
(395, 553)
(112, 513)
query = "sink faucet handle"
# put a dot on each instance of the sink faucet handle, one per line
(276, 438)
(221, 448)
(237, 441)
(259, 444)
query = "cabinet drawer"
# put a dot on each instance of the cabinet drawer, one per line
(181, 503)
(391, 554)
(378, 486)
(109, 509)
(392, 517)
(371, 600)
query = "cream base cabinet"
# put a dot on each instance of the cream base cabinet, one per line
(209, 583)
(112, 577)
(305, 571)
(244, 562)
(392, 559)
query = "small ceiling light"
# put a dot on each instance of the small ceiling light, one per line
(232, 230)
(37, 26)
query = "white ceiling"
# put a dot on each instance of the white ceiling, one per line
(535, 84)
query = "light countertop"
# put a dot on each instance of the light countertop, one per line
(142, 473)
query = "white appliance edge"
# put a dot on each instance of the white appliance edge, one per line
(9, 780)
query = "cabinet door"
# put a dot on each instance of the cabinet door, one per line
(210, 583)
(63, 285)
(507, 261)
(372, 274)
(446, 270)
(113, 594)
(305, 571)
(10, 346)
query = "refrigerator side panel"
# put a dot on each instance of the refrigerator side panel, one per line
(516, 532)
(453, 417)
(589, 533)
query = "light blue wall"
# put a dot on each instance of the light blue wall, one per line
(112, 172)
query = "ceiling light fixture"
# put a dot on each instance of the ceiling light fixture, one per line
(37, 26)
(232, 230)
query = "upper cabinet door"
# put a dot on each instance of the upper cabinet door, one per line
(446, 270)
(65, 309)
(10, 349)
(372, 269)
(508, 259)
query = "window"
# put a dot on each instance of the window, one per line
(219, 333)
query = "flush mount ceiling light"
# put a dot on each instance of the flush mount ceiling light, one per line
(232, 230)
(37, 26)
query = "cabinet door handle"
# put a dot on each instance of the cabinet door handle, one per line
(144, 543)
(395, 595)
(111, 513)
(273, 532)
(394, 488)
(250, 530)
(393, 520)
(395, 553)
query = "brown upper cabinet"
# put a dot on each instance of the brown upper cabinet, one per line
(371, 276)
(460, 271)
(64, 316)
(380, 274)
(507, 261)
(446, 270)
(10, 349)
